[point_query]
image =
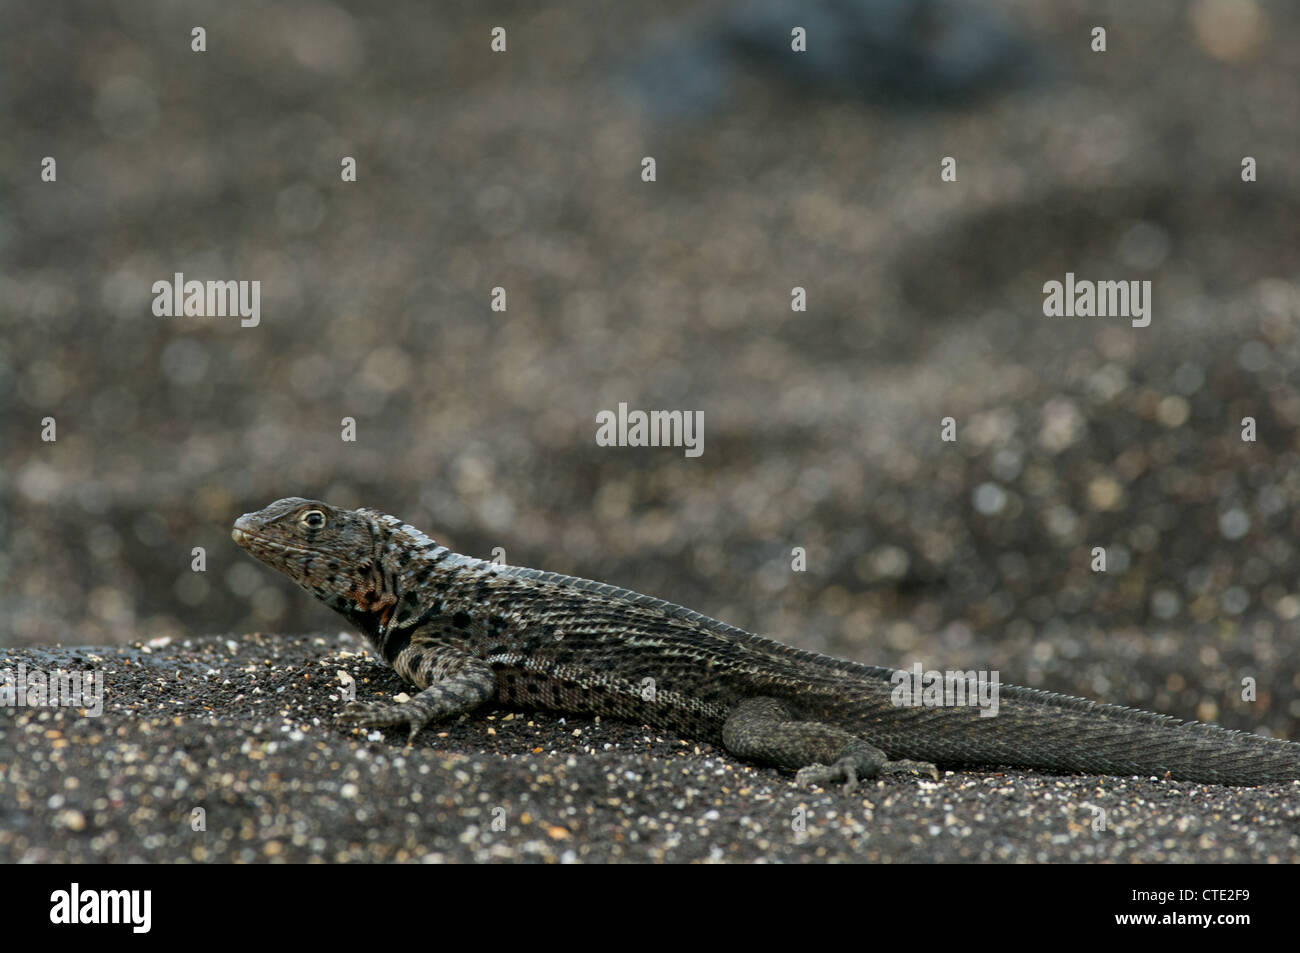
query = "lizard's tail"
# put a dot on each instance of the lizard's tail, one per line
(1036, 729)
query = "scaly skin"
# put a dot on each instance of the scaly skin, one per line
(467, 631)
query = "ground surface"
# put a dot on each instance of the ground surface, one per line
(240, 729)
(522, 170)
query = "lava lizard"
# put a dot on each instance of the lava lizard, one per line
(467, 631)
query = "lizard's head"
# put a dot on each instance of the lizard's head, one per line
(331, 552)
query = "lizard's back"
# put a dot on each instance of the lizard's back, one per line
(699, 667)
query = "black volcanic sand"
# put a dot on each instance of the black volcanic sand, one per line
(237, 730)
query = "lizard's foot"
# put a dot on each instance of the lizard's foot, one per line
(861, 764)
(381, 715)
(766, 729)
(920, 769)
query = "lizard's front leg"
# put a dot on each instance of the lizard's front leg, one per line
(456, 682)
(764, 729)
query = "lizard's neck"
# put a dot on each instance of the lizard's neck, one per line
(390, 583)
(385, 590)
(367, 621)
(373, 586)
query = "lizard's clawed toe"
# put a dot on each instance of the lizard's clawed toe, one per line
(846, 770)
(355, 713)
(407, 716)
(810, 775)
(918, 768)
(352, 710)
(851, 767)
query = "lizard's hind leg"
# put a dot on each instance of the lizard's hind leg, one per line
(764, 729)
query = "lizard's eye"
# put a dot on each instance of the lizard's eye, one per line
(312, 519)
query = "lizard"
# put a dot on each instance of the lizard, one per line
(468, 631)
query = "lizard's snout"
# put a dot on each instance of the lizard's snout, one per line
(241, 530)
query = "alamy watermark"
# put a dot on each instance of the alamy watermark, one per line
(933, 689)
(208, 299)
(36, 688)
(130, 907)
(651, 428)
(1100, 299)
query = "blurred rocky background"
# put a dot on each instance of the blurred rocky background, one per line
(522, 170)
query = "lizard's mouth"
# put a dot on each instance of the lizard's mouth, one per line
(247, 538)
(243, 535)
